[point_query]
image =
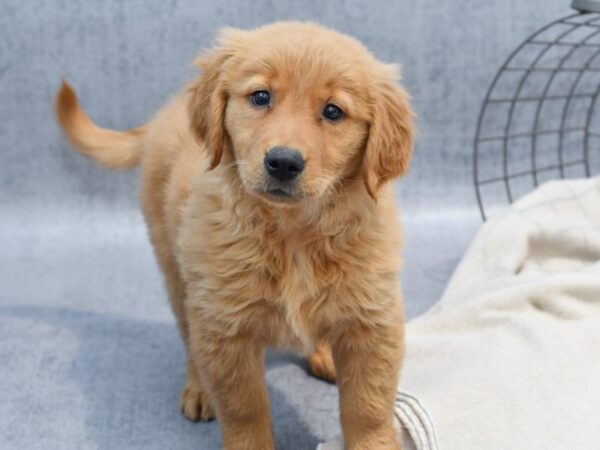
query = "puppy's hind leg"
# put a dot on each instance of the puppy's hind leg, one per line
(194, 401)
(195, 404)
(321, 363)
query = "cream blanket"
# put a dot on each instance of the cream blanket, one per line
(509, 359)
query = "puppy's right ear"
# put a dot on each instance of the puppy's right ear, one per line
(208, 98)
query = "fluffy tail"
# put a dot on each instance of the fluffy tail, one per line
(112, 149)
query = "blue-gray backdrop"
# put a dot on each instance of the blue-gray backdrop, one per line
(89, 355)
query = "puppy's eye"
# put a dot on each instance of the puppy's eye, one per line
(260, 98)
(332, 112)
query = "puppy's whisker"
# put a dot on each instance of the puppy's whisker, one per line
(237, 163)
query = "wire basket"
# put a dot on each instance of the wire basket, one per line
(540, 119)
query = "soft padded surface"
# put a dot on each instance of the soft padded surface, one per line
(89, 354)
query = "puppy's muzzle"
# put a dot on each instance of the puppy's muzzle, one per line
(284, 164)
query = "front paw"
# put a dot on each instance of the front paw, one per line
(377, 445)
(195, 405)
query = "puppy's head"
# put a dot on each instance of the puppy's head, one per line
(300, 110)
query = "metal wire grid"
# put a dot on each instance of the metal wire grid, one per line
(538, 115)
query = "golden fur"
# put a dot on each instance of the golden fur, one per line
(246, 270)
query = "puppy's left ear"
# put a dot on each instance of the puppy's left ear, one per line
(390, 142)
(208, 99)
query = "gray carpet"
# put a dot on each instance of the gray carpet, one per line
(89, 354)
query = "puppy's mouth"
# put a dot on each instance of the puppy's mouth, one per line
(280, 194)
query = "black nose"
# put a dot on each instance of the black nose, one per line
(283, 163)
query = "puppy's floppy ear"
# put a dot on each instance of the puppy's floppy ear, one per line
(390, 142)
(208, 98)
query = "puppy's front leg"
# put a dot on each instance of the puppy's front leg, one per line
(367, 359)
(232, 370)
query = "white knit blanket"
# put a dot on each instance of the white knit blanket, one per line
(510, 357)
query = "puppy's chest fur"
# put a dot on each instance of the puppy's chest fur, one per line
(251, 272)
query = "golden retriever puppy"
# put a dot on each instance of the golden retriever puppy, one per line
(266, 193)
